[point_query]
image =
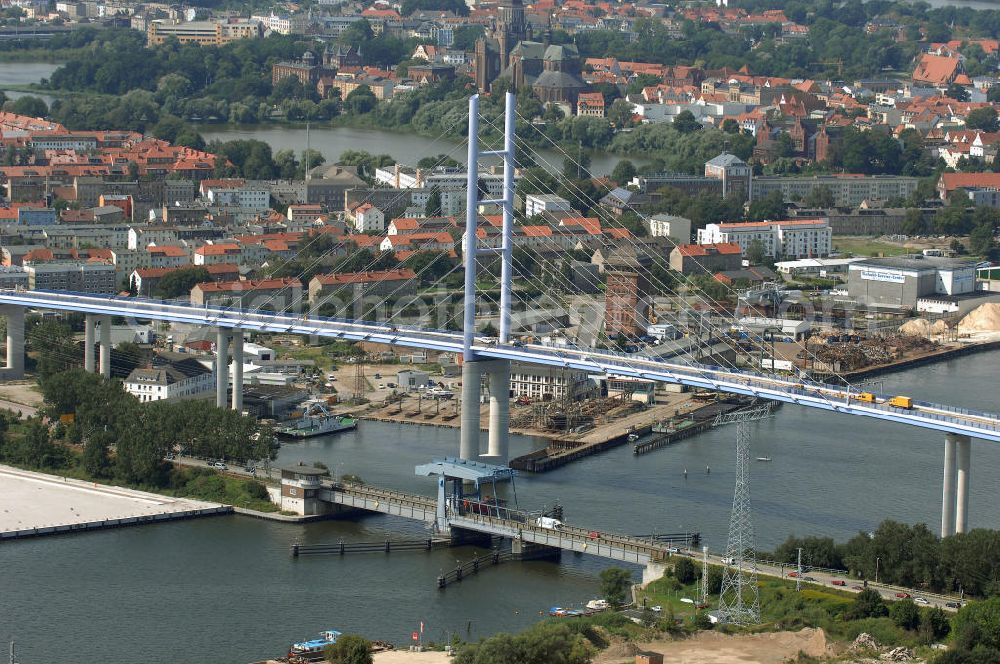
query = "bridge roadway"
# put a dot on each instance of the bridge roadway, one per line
(804, 393)
(498, 522)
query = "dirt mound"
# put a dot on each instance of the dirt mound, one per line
(712, 647)
(939, 327)
(984, 318)
(918, 327)
(900, 654)
(865, 641)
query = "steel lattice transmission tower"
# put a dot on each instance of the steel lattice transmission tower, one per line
(739, 599)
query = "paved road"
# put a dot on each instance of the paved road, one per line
(826, 578)
(25, 411)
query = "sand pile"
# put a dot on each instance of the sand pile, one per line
(918, 327)
(984, 318)
(939, 327)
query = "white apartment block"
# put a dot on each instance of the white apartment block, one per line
(186, 379)
(678, 229)
(369, 219)
(542, 203)
(798, 238)
(242, 197)
(537, 382)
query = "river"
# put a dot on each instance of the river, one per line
(404, 147)
(25, 73)
(225, 589)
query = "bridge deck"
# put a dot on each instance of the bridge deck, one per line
(813, 395)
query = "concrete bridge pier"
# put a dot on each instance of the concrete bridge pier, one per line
(105, 336)
(653, 571)
(238, 370)
(88, 343)
(499, 440)
(964, 445)
(472, 377)
(14, 368)
(955, 485)
(221, 367)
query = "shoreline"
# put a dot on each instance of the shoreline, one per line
(930, 358)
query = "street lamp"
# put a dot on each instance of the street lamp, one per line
(877, 559)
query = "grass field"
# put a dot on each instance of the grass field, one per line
(862, 246)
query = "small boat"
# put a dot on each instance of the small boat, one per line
(763, 458)
(313, 650)
(632, 437)
(597, 604)
(316, 420)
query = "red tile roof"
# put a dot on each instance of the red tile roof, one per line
(365, 277)
(725, 248)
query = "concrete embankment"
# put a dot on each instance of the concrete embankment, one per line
(36, 504)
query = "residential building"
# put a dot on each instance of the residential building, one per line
(266, 294)
(796, 238)
(13, 277)
(77, 276)
(549, 383)
(369, 219)
(848, 190)
(205, 33)
(171, 379)
(355, 285)
(627, 293)
(541, 203)
(734, 173)
(678, 229)
(701, 259)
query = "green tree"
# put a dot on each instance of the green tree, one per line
(545, 643)
(957, 92)
(981, 240)
(913, 222)
(770, 207)
(623, 172)
(905, 614)
(984, 118)
(684, 571)
(180, 282)
(756, 253)
(685, 122)
(819, 197)
(349, 649)
(433, 205)
(620, 113)
(978, 625)
(868, 604)
(935, 623)
(28, 105)
(615, 583)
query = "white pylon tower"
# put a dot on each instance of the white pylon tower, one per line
(739, 599)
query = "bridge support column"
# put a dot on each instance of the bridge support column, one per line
(106, 346)
(499, 441)
(88, 343)
(221, 367)
(471, 396)
(948, 497)
(238, 370)
(962, 499)
(14, 369)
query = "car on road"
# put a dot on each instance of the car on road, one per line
(857, 587)
(170, 456)
(381, 386)
(729, 561)
(953, 605)
(657, 609)
(793, 574)
(219, 465)
(921, 600)
(838, 582)
(903, 595)
(673, 549)
(809, 578)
